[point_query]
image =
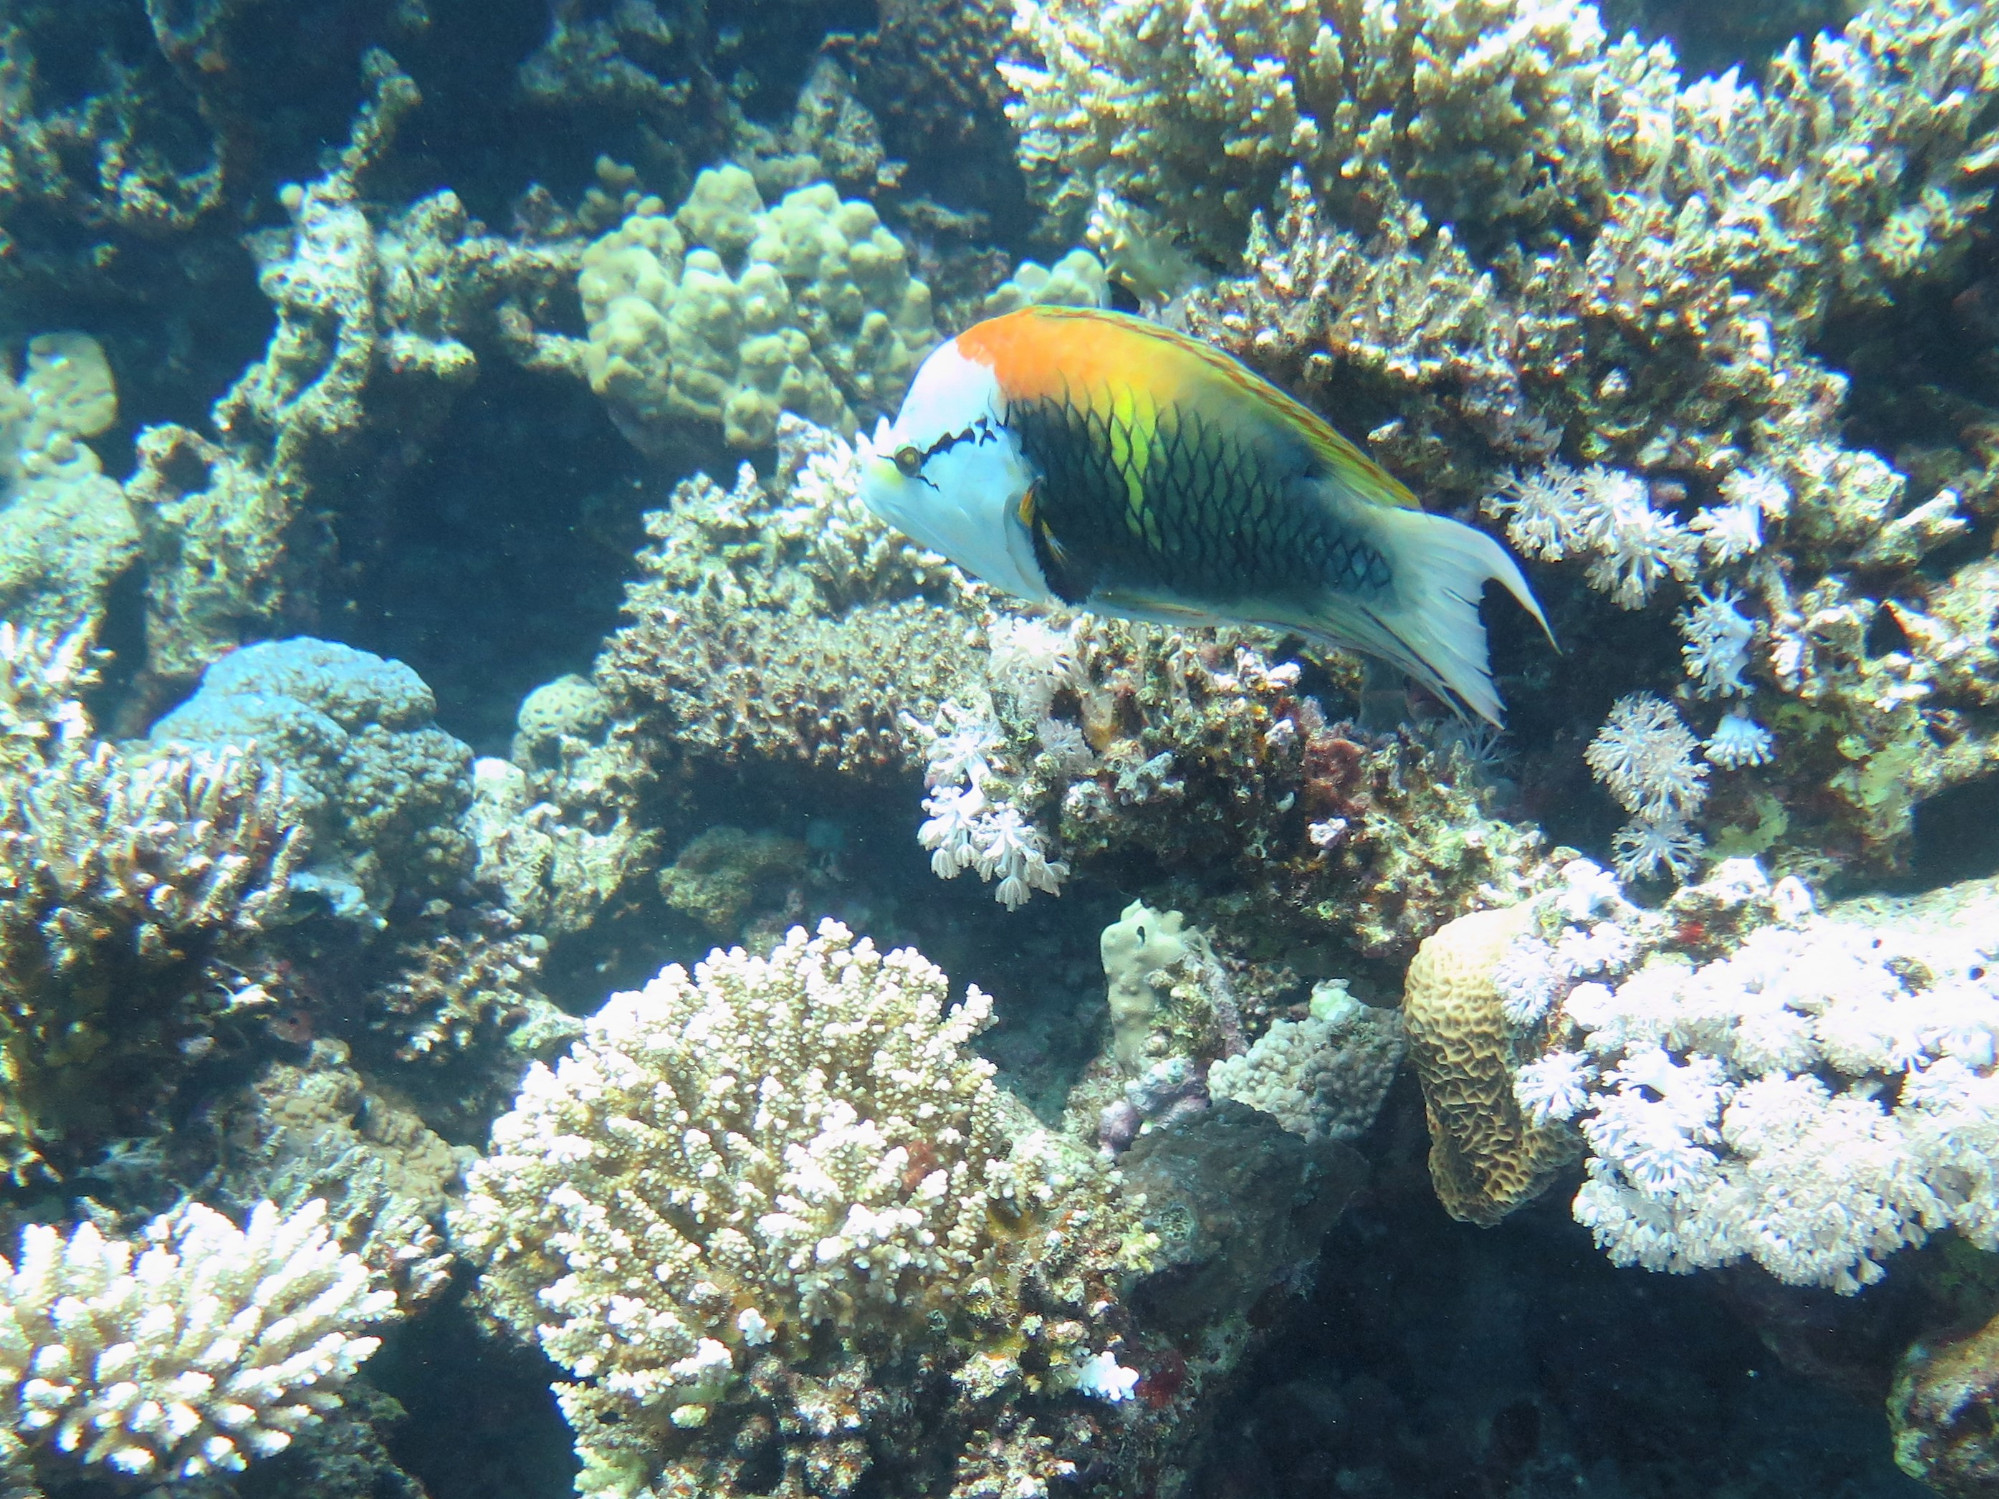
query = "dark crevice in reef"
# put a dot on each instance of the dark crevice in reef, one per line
(498, 563)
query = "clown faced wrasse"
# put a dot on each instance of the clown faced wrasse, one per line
(1101, 461)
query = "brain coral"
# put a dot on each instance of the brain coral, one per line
(1486, 1156)
(774, 1219)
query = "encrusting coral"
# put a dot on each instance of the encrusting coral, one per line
(786, 1236)
(183, 1353)
(382, 788)
(66, 530)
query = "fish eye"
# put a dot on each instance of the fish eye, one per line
(909, 462)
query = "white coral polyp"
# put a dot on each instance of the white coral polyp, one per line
(188, 1351)
(1821, 1096)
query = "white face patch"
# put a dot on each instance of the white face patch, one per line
(949, 475)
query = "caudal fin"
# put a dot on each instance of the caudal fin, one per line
(1427, 622)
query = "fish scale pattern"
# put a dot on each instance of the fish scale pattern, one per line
(1212, 510)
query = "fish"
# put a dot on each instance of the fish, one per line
(1092, 459)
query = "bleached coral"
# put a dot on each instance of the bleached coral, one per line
(773, 1159)
(185, 1352)
(1810, 1091)
(1603, 515)
(1716, 639)
(1739, 740)
(1645, 755)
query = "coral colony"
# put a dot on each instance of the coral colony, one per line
(414, 956)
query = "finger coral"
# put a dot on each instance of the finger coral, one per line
(186, 1352)
(773, 1219)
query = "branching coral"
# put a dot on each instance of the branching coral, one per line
(774, 1219)
(1663, 333)
(124, 889)
(182, 1354)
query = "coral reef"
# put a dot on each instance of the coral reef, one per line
(316, 1132)
(371, 313)
(727, 312)
(1488, 1154)
(1726, 1060)
(126, 888)
(773, 1219)
(66, 531)
(382, 788)
(1692, 244)
(1105, 738)
(183, 1353)
(1324, 1077)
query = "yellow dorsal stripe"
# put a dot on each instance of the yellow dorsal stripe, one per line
(1136, 367)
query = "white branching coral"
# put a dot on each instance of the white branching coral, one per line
(768, 1156)
(1821, 1094)
(1716, 637)
(965, 826)
(1646, 757)
(187, 1351)
(1601, 514)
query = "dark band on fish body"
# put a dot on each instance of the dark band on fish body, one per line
(1219, 517)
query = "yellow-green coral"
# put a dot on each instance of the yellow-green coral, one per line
(729, 313)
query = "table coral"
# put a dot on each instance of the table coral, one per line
(384, 790)
(726, 312)
(179, 1355)
(773, 1219)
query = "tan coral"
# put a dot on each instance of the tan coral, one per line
(1486, 1159)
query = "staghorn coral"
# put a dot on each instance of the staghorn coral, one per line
(125, 890)
(773, 1219)
(727, 312)
(1488, 1153)
(181, 1354)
